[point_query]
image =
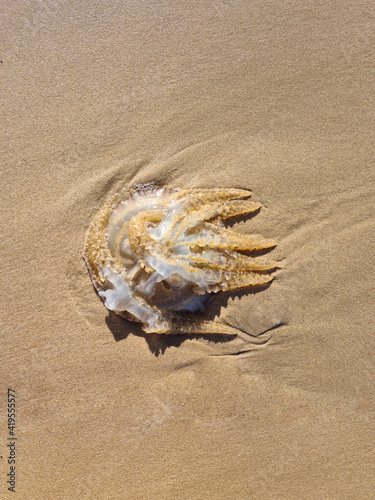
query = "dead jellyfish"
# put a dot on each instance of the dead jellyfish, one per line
(154, 254)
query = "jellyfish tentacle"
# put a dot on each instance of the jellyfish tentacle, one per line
(231, 261)
(214, 236)
(234, 280)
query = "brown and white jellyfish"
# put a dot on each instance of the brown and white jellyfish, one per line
(154, 254)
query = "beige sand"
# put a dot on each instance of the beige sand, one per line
(276, 97)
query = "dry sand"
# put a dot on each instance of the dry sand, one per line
(275, 97)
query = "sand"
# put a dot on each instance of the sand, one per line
(275, 97)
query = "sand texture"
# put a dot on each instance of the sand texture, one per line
(274, 97)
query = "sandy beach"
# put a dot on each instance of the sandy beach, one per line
(273, 97)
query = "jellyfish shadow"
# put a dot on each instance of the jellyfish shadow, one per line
(158, 343)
